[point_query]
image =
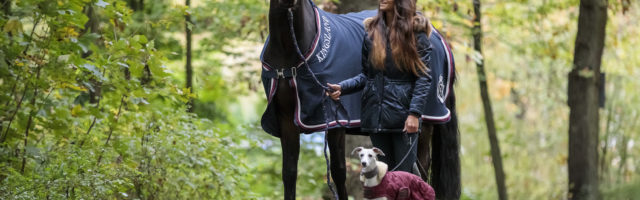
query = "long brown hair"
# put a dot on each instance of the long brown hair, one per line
(400, 36)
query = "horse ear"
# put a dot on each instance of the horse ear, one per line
(378, 151)
(356, 150)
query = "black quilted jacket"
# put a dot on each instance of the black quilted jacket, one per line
(390, 96)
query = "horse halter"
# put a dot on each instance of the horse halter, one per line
(299, 52)
(280, 72)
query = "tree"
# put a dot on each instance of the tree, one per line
(486, 102)
(136, 5)
(92, 27)
(583, 92)
(6, 6)
(188, 66)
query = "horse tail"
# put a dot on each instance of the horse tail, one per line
(445, 174)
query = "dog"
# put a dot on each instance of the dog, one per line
(381, 184)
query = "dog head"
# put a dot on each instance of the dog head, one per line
(368, 157)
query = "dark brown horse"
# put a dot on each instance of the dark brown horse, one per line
(280, 51)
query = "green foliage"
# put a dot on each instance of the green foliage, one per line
(266, 165)
(92, 114)
(102, 86)
(625, 191)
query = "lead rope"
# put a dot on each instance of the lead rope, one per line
(409, 151)
(324, 98)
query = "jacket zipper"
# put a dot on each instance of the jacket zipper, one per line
(380, 103)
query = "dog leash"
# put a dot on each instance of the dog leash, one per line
(324, 98)
(409, 151)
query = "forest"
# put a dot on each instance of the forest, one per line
(135, 99)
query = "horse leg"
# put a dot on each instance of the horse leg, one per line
(289, 137)
(335, 138)
(290, 141)
(424, 151)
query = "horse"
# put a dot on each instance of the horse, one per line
(299, 34)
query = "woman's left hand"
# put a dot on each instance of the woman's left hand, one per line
(411, 125)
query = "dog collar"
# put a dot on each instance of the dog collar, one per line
(370, 174)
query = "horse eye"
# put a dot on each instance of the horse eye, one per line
(370, 156)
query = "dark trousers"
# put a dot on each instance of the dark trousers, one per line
(395, 146)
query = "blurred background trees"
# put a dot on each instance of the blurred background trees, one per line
(93, 101)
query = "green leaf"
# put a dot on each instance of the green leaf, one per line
(190, 26)
(13, 26)
(94, 70)
(102, 4)
(63, 58)
(157, 68)
(135, 67)
(140, 38)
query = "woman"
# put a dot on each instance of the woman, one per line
(395, 79)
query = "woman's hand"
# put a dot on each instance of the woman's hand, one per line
(337, 91)
(411, 125)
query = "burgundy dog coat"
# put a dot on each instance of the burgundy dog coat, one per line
(400, 185)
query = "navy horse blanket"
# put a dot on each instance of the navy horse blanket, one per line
(336, 55)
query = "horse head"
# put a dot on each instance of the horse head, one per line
(280, 49)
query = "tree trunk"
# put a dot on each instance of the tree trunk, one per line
(92, 26)
(30, 120)
(188, 67)
(6, 7)
(136, 5)
(486, 102)
(583, 91)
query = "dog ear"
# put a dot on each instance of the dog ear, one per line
(378, 151)
(356, 150)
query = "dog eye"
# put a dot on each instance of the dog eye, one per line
(370, 156)
(361, 155)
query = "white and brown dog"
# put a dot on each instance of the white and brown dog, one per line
(381, 184)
